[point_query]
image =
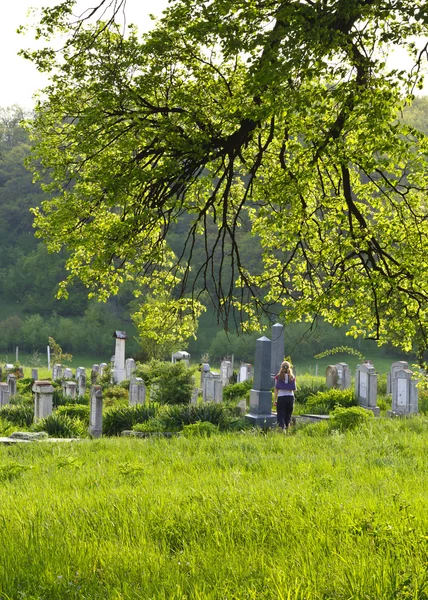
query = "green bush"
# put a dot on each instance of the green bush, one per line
(24, 398)
(18, 414)
(174, 418)
(325, 402)
(200, 429)
(171, 383)
(24, 385)
(236, 391)
(306, 389)
(115, 394)
(61, 426)
(117, 419)
(345, 419)
(423, 401)
(75, 411)
(384, 402)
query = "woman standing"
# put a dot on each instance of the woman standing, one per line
(285, 384)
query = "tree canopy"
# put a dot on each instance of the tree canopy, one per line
(274, 118)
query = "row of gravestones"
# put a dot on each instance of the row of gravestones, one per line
(400, 383)
(97, 370)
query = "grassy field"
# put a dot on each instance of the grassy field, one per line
(235, 516)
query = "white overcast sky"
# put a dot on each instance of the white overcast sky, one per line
(19, 78)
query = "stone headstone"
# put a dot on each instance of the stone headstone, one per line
(366, 387)
(119, 357)
(242, 405)
(4, 394)
(56, 372)
(43, 399)
(205, 368)
(68, 373)
(226, 371)
(209, 388)
(137, 391)
(343, 376)
(404, 392)
(34, 374)
(95, 371)
(81, 382)
(129, 368)
(20, 372)
(331, 377)
(261, 395)
(102, 369)
(396, 366)
(181, 355)
(69, 388)
(246, 371)
(96, 412)
(11, 381)
(277, 348)
(80, 370)
(194, 396)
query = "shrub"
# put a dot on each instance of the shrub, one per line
(306, 389)
(18, 414)
(236, 391)
(61, 426)
(119, 418)
(24, 385)
(115, 394)
(75, 411)
(23, 399)
(344, 419)
(200, 429)
(423, 401)
(384, 402)
(324, 402)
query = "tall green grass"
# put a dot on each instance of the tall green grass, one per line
(237, 516)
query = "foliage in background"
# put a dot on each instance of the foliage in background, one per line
(340, 350)
(18, 414)
(170, 383)
(236, 391)
(121, 418)
(61, 425)
(325, 402)
(57, 355)
(344, 419)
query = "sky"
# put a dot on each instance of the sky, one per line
(20, 78)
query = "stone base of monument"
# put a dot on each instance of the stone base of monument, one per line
(311, 418)
(375, 410)
(265, 421)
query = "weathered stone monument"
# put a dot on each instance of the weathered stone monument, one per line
(119, 357)
(331, 377)
(212, 390)
(102, 370)
(68, 373)
(43, 399)
(95, 372)
(69, 388)
(56, 372)
(34, 374)
(4, 394)
(366, 387)
(226, 371)
(338, 376)
(246, 371)
(81, 382)
(181, 355)
(137, 391)
(80, 370)
(194, 396)
(205, 368)
(261, 395)
(96, 412)
(129, 368)
(404, 392)
(11, 382)
(277, 348)
(396, 366)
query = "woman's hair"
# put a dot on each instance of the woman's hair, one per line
(286, 369)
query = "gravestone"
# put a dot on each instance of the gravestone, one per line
(96, 412)
(56, 372)
(43, 399)
(181, 355)
(119, 357)
(343, 376)
(8, 368)
(242, 405)
(366, 387)
(102, 370)
(137, 391)
(226, 371)
(331, 377)
(194, 396)
(261, 395)
(246, 371)
(69, 388)
(80, 370)
(277, 348)
(20, 372)
(404, 392)
(81, 382)
(11, 381)
(396, 366)
(68, 374)
(95, 371)
(212, 385)
(129, 368)
(4, 394)
(205, 368)
(34, 374)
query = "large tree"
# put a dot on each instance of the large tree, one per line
(281, 117)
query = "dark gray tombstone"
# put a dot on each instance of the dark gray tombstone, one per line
(277, 348)
(96, 412)
(4, 394)
(34, 374)
(205, 368)
(43, 399)
(81, 382)
(261, 395)
(11, 381)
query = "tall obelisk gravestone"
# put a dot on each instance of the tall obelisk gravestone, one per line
(261, 395)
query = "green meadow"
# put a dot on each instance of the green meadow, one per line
(235, 516)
